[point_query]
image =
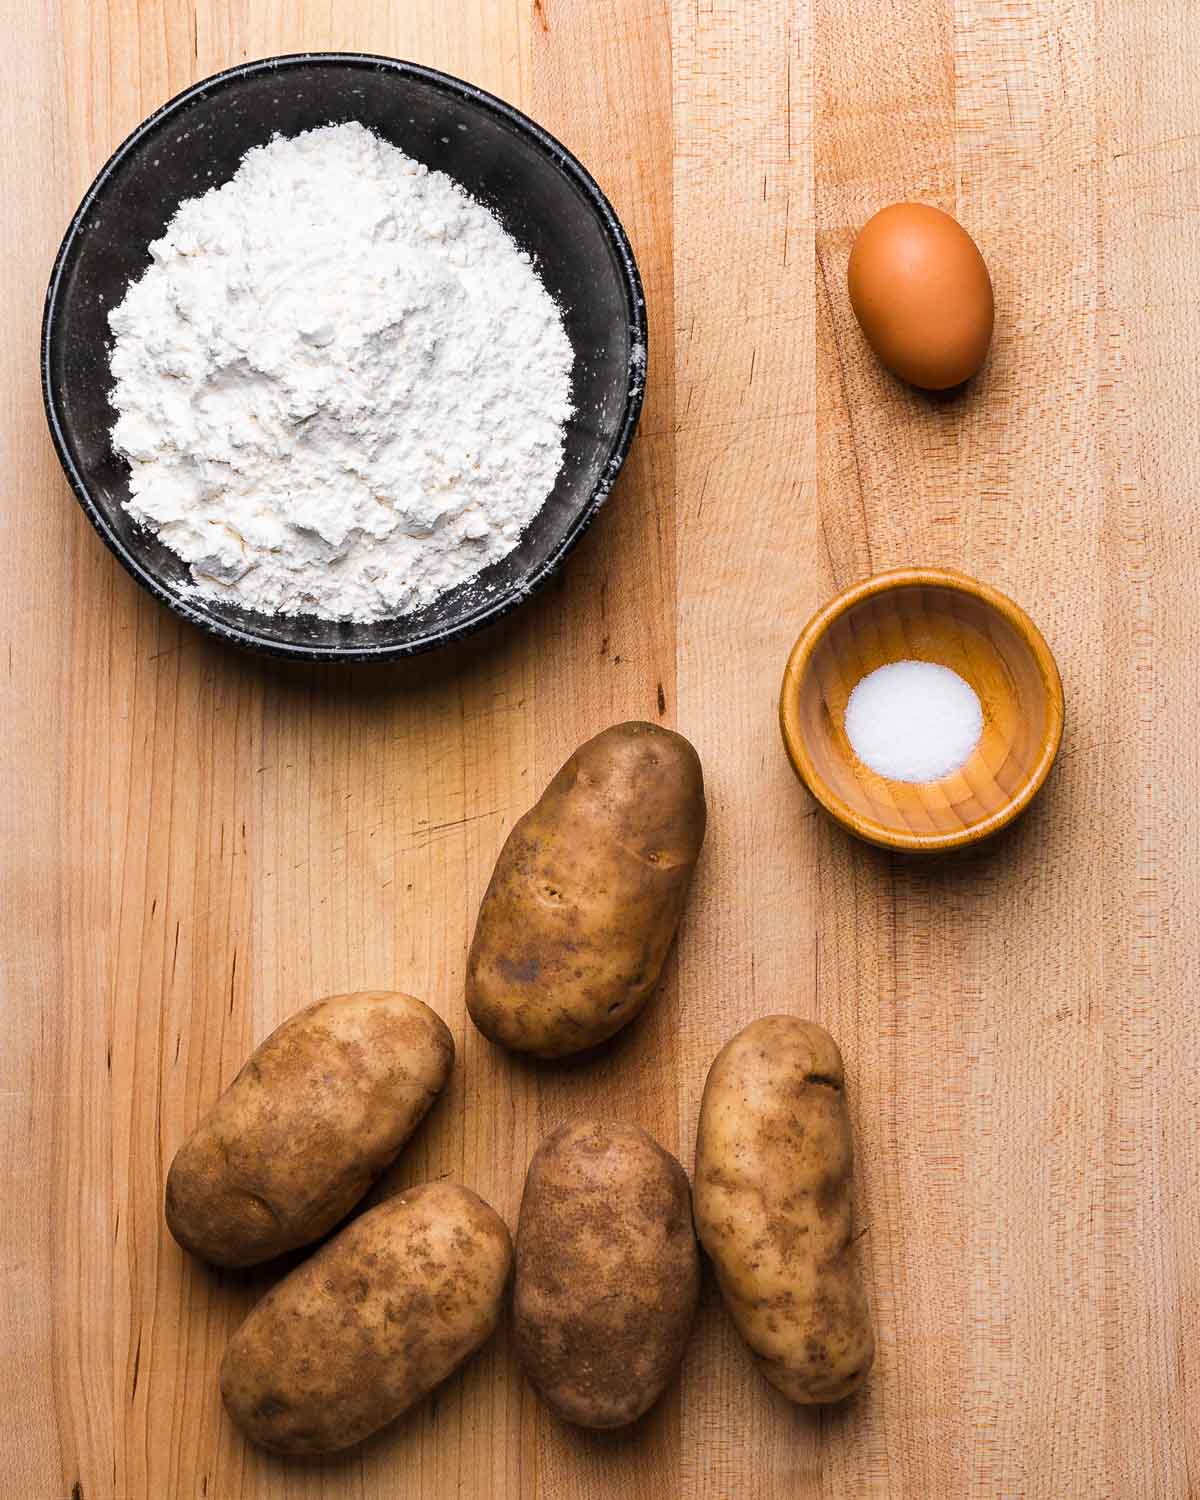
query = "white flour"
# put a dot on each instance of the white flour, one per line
(341, 387)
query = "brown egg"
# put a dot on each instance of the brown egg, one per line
(922, 295)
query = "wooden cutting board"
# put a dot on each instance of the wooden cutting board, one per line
(196, 843)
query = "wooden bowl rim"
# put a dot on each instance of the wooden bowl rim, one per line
(870, 829)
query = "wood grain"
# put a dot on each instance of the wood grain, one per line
(197, 843)
(747, 543)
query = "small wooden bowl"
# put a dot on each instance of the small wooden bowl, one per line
(924, 614)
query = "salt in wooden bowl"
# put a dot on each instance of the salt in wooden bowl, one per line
(932, 615)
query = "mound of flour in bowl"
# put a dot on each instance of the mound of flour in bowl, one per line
(341, 387)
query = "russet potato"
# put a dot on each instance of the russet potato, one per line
(321, 1108)
(772, 1193)
(587, 893)
(367, 1326)
(608, 1271)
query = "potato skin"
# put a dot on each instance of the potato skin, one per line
(773, 1182)
(608, 1272)
(381, 1314)
(587, 893)
(321, 1108)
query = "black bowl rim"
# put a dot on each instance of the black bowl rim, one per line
(504, 602)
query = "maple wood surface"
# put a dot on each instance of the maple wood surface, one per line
(197, 843)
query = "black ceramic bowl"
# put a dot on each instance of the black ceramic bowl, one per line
(542, 195)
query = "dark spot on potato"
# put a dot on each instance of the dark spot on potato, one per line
(825, 1080)
(519, 971)
(829, 1195)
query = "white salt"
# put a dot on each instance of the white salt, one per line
(913, 721)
